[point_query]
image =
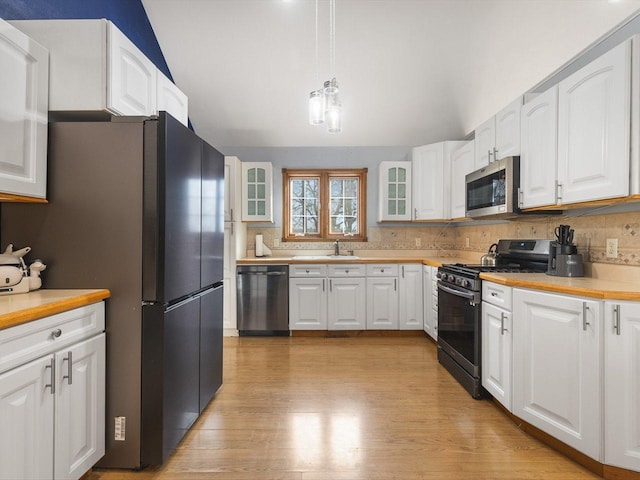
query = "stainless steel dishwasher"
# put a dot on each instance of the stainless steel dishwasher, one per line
(263, 299)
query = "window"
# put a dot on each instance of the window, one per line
(324, 204)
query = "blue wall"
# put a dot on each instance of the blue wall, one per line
(128, 15)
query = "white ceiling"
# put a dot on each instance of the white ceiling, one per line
(411, 72)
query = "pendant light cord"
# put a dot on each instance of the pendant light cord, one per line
(332, 37)
(317, 55)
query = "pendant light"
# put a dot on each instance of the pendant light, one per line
(324, 104)
(316, 98)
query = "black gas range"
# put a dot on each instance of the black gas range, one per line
(460, 306)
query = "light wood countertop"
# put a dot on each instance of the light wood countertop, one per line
(583, 286)
(25, 307)
(433, 261)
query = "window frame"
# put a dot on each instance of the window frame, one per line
(324, 176)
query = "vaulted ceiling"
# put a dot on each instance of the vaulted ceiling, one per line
(411, 72)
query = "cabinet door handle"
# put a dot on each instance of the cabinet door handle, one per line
(69, 375)
(231, 228)
(558, 191)
(502, 329)
(330, 285)
(495, 154)
(585, 309)
(395, 284)
(616, 319)
(494, 294)
(489, 155)
(231, 211)
(402, 271)
(56, 333)
(52, 385)
(520, 197)
(323, 284)
(415, 213)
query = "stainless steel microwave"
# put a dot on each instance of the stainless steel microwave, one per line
(492, 191)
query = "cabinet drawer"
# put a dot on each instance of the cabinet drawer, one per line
(347, 270)
(26, 342)
(496, 294)
(310, 270)
(382, 270)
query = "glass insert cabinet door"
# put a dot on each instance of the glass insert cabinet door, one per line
(394, 192)
(257, 203)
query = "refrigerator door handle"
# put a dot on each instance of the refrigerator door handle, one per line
(181, 303)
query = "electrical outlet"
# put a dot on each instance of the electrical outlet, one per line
(276, 242)
(467, 242)
(418, 242)
(612, 248)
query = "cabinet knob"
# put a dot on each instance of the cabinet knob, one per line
(347, 271)
(307, 271)
(56, 333)
(382, 270)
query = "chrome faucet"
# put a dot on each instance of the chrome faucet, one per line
(336, 247)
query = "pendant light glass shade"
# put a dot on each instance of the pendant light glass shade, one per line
(333, 112)
(334, 118)
(316, 107)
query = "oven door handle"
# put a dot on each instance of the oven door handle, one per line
(468, 295)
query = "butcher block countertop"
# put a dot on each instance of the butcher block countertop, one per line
(583, 286)
(25, 307)
(433, 261)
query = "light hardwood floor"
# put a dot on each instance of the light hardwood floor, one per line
(350, 409)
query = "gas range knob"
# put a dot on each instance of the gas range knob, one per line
(467, 284)
(459, 281)
(451, 278)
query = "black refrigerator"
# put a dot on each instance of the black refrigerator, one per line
(136, 206)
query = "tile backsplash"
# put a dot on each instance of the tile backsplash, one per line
(591, 233)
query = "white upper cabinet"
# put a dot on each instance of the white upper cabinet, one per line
(394, 191)
(431, 165)
(485, 137)
(498, 137)
(131, 84)
(171, 99)
(257, 201)
(461, 164)
(539, 150)
(594, 129)
(95, 67)
(23, 114)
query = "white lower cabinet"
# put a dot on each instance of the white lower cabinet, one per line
(52, 407)
(307, 304)
(410, 290)
(356, 297)
(622, 384)
(430, 300)
(496, 353)
(557, 368)
(346, 304)
(382, 296)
